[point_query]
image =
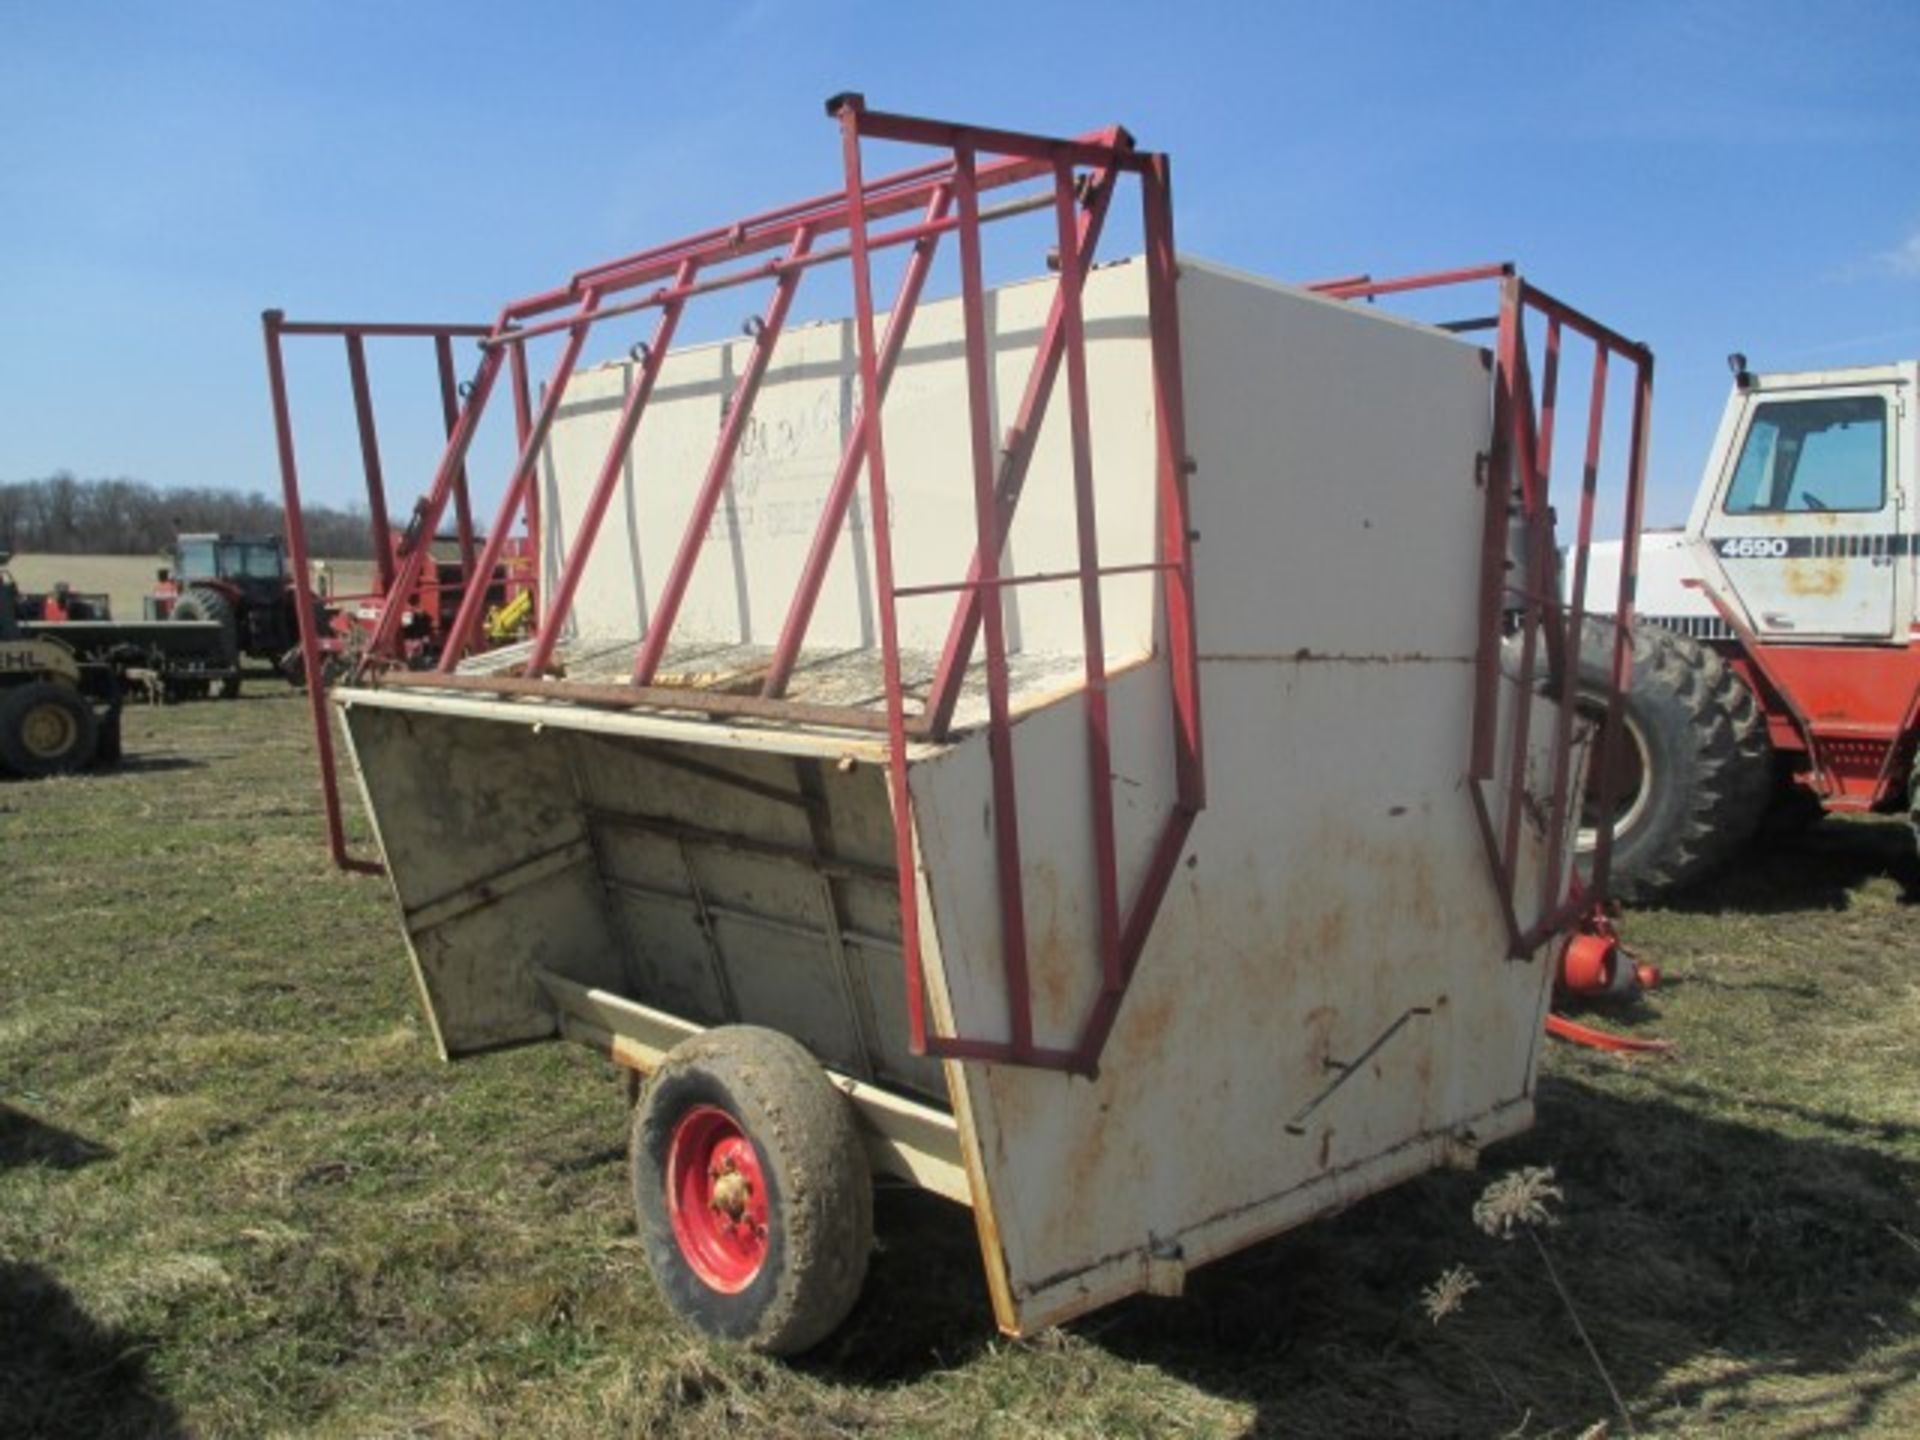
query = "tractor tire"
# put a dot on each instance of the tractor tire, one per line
(1695, 764)
(1913, 800)
(752, 1189)
(46, 729)
(203, 603)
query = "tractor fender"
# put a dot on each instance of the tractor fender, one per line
(39, 659)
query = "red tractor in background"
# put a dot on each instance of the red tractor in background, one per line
(244, 585)
(240, 583)
(1776, 652)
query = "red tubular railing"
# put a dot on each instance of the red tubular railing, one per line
(1519, 471)
(1077, 180)
(394, 586)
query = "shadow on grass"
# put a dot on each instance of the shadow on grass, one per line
(62, 1372)
(1759, 1261)
(136, 764)
(1814, 869)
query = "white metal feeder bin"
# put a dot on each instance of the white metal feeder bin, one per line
(1093, 747)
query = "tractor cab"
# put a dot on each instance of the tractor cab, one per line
(1776, 657)
(241, 583)
(256, 565)
(1806, 509)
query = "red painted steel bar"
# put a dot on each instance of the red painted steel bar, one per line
(560, 604)
(826, 534)
(522, 484)
(816, 209)
(1133, 938)
(305, 612)
(773, 269)
(370, 460)
(382, 331)
(874, 447)
(989, 539)
(719, 468)
(434, 505)
(462, 501)
(1038, 577)
(1024, 434)
(1093, 630)
(1542, 537)
(1586, 325)
(984, 139)
(1366, 288)
(1623, 609)
(1493, 537)
(522, 433)
(1576, 616)
(1524, 464)
(881, 200)
(1172, 467)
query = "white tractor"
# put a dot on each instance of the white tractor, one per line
(1776, 674)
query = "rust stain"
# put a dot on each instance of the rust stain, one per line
(1049, 957)
(1815, 577)
(1326, 1146)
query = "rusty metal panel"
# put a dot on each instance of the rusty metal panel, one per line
(720, 883)
(1326, 1002)
(494, 872)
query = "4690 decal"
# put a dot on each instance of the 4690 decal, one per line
(1754, 547)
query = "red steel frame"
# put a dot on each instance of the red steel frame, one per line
(1518, 471)
(392, 587)
(1076, 179)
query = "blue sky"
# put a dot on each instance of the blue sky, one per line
(1705, 177)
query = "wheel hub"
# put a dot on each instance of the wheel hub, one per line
(1633, 788)
(48, 732)
(717, 1198)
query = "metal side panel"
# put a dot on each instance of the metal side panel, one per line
(1335, 488)
(491, 866)
(713, 883)
(1325, 1005)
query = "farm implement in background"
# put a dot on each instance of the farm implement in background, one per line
(1106, 749)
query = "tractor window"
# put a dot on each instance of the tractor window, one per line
(240, 560)
(1804, 456)
(263, 562)
(196, 559)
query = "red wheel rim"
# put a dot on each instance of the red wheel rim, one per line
(717, 1198)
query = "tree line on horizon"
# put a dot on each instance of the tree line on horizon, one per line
(61, 514)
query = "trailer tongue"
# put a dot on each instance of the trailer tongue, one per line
(1102, 748)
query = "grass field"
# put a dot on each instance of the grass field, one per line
(240, 1196)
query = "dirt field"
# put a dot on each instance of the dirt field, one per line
(124, 579)
(239, 1195)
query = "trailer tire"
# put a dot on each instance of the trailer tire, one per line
(46, 729)
(1697, 761)
(752, 1189)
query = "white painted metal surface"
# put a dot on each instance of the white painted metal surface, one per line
(1326, 1004)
